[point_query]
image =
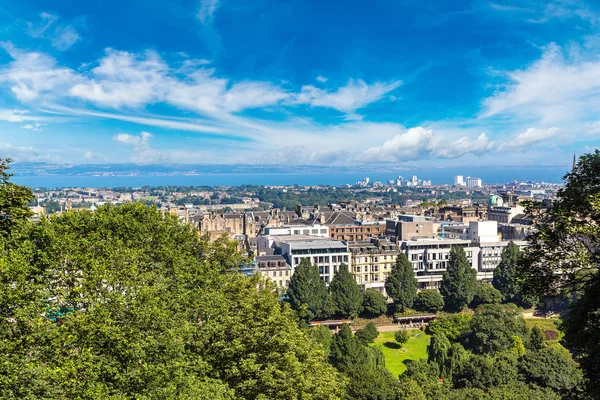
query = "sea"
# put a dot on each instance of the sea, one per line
(437, 176)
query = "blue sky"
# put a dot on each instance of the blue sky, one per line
(299, 82)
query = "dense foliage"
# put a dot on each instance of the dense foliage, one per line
(374, 303)
(563, 258)
(429, 300)
(507, 280)
(401, 284)
(308, 293)
(345, 293)
(459, 282)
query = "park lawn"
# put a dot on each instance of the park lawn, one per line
(414, 349)
(545, 324)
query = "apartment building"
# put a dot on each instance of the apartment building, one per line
(371, 262)
(407, 227)
(276, 268)
(429, 258)
(326, 254)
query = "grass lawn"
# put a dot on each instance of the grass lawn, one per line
(546, 325)
(414, 349)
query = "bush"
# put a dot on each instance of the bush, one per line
(368, 334)
(401, 337)
(374, 303)
(429, 300)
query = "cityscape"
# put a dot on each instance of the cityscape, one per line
(300, 200)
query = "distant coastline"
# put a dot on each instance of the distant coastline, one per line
(131, 175)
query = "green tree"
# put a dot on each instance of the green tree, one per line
(429, 300)
(486, 294)
(506, 278)
(438, 352)
(308, 289)
(13, 200)
(451, 325)
(401, 337)
(322, 335)
(562, 257)
(374, 303)
(368, 334)
(491, 328)
(459, 282)
(345, 293)
(552, 368)
(150, 310)
(536, 338)
(485, 372)
(401, 284)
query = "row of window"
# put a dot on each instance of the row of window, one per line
(324, 259)
(275, 273)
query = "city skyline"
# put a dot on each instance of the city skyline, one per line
(226, 82)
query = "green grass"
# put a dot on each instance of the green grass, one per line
(414, 349)
(545, 324)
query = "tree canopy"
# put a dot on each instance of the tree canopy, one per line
(127, 302)
(308, 291)
(401, 284)
(345, 293)
(459, 282)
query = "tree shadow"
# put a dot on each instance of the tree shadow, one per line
(392, 345)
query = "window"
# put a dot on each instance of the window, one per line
(287, 273)
(280, 273)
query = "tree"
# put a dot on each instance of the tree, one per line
(401, 337)
(551, 368)
(438, 352)
(364, 366)
(13, 200)
(451, 325)
(308, 289)
(536, 338)
(368, 334)
(401, 284)
(429, 300)
(149, 310)
(492, 327)
(345, 293)
(459, 282)
(485, 294)
(374, 303)
(506, 278)
(562, 257)
(485, 372)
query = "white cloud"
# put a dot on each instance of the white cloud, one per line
(555, 88)
(88, 155)
(142, 152)
(530, 137)
(34, 127)
(19, 153)
(419, 143)
(14, 115)
(61, 36)
(356, 94)
(207, 10)
(64, 38)
(321, 79)
(31, 75)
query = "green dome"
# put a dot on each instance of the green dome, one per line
(493, 200)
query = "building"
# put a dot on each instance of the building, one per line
(407, 227)
(276, 268)
(326, 254)
(490, 255)
(503, 214)
(429, 258)
(459, 181)
(299, 229)
(483, 231)
(371, 262)
(473, 183)
(357, 231)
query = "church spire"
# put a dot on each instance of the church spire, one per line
(574, 163)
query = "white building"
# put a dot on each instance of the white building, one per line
(473, 183)
(325, 253)
(483, 231)
(309, 230)
(459, 181)
(429, 258)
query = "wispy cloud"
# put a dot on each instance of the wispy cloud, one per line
(61, 36)
(321, 79)
(142, 152)
(207, 10)
(34, 127)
